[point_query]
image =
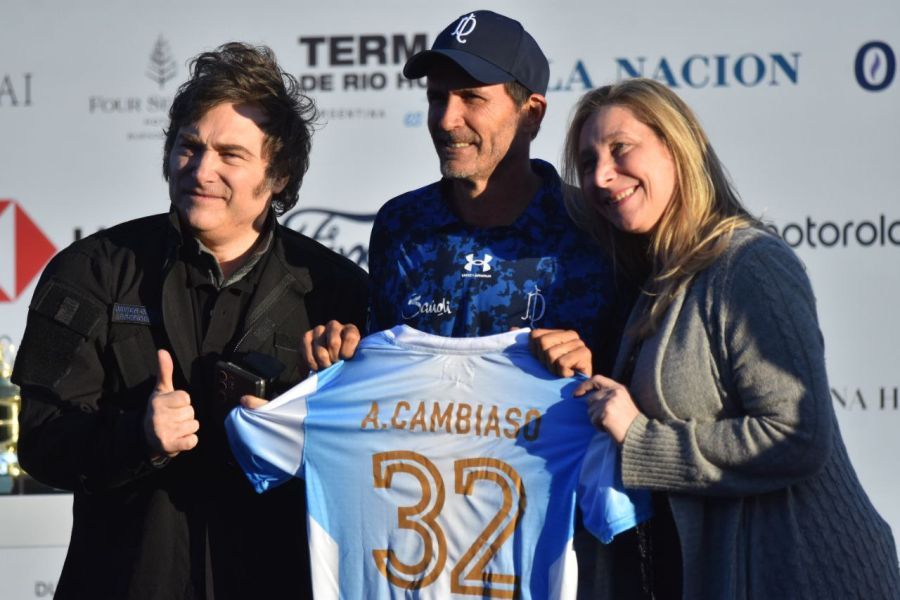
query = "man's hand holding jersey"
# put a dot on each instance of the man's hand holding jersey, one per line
(324, 345)
(561, 351)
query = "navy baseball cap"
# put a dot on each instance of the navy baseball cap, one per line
(489, 47)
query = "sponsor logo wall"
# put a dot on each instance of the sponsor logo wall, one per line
(24, 250)
(801, 108)
(15, 90)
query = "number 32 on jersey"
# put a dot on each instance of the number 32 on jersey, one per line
(468, 574)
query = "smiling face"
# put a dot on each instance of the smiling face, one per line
(473, 126)
(217, 176)
(626, 171)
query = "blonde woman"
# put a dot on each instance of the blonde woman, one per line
(719, 398)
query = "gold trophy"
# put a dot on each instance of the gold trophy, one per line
(9, 418)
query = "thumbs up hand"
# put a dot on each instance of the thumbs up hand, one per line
(169, 423)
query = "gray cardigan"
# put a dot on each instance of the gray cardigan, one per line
(739, 429)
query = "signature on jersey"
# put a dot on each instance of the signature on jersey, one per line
(416, 307)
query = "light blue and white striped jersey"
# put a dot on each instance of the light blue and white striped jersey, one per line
(439, 468)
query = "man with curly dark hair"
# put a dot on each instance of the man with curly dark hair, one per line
(124, 391)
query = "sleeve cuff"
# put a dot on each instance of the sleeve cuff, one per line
(653, 456)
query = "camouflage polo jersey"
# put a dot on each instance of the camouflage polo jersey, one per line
(431, 271)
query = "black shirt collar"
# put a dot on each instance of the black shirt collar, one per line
(205, 269)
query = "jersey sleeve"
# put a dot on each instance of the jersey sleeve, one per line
(608, 509)
(268, 442)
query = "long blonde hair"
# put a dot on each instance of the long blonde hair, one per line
(695, 227)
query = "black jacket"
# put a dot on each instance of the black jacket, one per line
(87, 365)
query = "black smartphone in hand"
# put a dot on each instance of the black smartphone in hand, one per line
(231, 382)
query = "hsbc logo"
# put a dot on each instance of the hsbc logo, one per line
(24, 250)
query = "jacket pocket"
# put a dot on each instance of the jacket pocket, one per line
(136, 359)
(287, 350)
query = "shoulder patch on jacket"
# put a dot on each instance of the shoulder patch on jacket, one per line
(68, 307)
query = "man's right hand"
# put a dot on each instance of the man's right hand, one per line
(169, 423)
(562, 351)
(324, 345)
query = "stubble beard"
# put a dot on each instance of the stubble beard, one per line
(449, 172)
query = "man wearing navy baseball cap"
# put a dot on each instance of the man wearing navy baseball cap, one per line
(489, 47)
(489, 246)
(495, 219)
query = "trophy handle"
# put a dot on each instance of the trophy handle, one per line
(10, 403)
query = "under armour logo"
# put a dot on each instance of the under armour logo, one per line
(471, 261)
(465, 26)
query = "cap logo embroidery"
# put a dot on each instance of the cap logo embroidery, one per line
(465, 27)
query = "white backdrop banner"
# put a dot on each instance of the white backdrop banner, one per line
(800, 100)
